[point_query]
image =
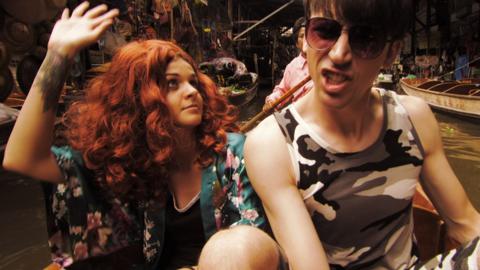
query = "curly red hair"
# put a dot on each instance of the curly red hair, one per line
(123, 126)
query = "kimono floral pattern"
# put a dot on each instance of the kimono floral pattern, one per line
(81, 225)
(236, 195)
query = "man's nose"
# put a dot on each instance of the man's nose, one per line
(341, 53)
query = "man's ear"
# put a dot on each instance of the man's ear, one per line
(392, 53)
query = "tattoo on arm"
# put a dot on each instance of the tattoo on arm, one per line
(50, 79)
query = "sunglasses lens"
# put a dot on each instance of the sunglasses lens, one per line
(366, 42)
(322, 33)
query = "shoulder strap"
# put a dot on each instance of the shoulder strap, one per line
(287, 123)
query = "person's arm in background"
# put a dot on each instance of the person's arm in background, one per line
(438, 179)
(280, 88)
(271, 173)
(28, 148)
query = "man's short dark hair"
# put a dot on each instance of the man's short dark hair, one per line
(299, 23)
(394, 16)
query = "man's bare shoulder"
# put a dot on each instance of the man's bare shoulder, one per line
(267, 157)
(415, 106)
(267, 131)
(266, 141)
(423, 120)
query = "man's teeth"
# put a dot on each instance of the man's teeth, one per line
(336, 78)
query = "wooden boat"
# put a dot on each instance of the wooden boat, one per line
(458, 97)
(241, 97)
(429, 228)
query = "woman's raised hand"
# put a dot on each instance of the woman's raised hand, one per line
(80, 29)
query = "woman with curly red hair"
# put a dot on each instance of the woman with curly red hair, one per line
(148, 162)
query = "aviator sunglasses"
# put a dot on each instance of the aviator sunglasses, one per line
(365, 41)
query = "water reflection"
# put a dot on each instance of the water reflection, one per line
(461, 138)
(23, 233)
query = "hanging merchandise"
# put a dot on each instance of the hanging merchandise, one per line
(186, 16)
(32, 12)
(168, 4)
(150, 33)
(185, 32)
(111, 42)
(4, 55)
(28, 67)
(6, 83)
(204, 2)
(124, 29)
(26, 71)
(119, 4)
(19, 36)
(207, 39)
(160, 12)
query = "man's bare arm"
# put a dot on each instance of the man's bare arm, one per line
(270, 171)
(438, 179)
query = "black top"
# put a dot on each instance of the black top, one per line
(184, 236)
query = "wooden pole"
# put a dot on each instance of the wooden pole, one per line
(274, 50)
(230, 18)
(263, 20)
(269, 109)
(172, 26)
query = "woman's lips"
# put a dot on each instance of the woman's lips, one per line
(191, 107)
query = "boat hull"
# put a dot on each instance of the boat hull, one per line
(450, 97)
(244, 98)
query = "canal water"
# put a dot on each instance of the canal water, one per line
(461, 139)
(23, 242)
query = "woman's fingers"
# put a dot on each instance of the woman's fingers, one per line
(65, 15)
(96, 11)
(80, 9)
(102, 27)
(104, 17)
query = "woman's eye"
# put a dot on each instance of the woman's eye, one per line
(194, 83)
(172, 84)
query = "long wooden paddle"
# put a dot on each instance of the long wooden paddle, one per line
(271, 107)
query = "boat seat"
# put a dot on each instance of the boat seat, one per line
(442, 87)
(429, 228)
(429, 84)
(429, 231)
(474, 92)
(462, 89)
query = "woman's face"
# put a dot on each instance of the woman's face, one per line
(183, 98)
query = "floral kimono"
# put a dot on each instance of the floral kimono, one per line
(84, 224)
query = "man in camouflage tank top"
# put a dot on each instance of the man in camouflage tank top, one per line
(337, 170)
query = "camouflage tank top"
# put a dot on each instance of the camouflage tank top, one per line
(360, 203)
